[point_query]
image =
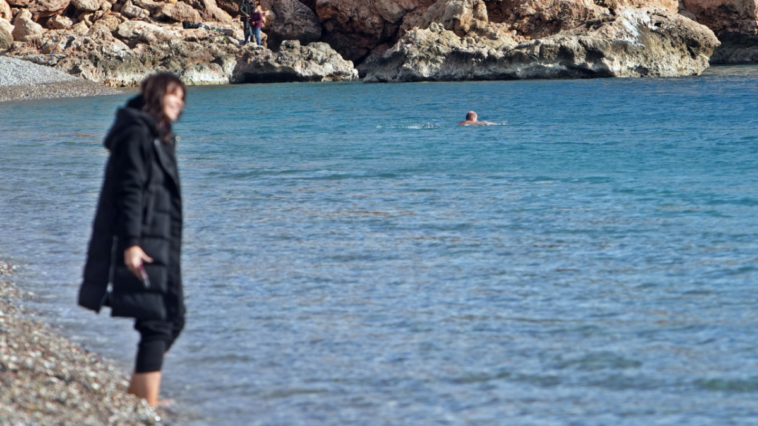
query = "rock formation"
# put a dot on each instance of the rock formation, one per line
(735, 22)
(314, 62)
(118, 42)
(290, 20)
(574, 40)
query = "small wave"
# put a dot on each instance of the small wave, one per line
(413, 126)
(421, 126)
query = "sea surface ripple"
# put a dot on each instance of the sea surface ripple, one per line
(353, 258)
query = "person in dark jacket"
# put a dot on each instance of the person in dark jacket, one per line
(137, 232)
(246, 8)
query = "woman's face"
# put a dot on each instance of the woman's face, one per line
(173, 103)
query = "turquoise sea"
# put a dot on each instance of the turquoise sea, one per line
(352, 257)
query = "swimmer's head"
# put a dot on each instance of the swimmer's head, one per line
(471, 116)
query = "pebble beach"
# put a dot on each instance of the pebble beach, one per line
(21, 80)
(45, 379)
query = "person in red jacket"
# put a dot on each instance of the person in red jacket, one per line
(256, 22)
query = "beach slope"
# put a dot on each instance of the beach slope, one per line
(45, 379)
(20, 79)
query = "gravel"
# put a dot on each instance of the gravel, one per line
(46, 379)
(21, 79)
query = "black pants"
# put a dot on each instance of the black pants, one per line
(248, 30)
(156, 339)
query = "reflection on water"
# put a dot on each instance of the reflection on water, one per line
(592, 262)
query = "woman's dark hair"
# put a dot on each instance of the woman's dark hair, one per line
(153, 89)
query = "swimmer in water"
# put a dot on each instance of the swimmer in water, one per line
(472, 121)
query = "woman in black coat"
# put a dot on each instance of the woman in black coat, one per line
(137, 232)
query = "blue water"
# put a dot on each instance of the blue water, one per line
(353, 258)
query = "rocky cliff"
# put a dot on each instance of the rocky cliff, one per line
(564, 40)
(118, 42)
(735, 22)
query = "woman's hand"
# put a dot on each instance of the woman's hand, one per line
(134, 257)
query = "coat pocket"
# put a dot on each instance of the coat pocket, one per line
(124, 281)
(134, 298)
(143, 306)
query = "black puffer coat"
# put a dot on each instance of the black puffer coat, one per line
(140, 204)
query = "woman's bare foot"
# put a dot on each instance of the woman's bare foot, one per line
(165, 403)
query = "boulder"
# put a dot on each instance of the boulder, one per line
(149, 5)
(86, 5)
(6, 38)
(134, 32)
(293, 62)
(7, 25)
(103, 28)
(209, 11)
(5, 11)
(131, 11)
(80, 28)
(24, 28)
(23, 13)
(178, 12)
(19, 3)
(44, 8)
(290, 20)
(393, 11)
(638, 42)
(59, 22)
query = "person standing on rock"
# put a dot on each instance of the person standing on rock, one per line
(256, 22)
(246, 9)
(137, 232)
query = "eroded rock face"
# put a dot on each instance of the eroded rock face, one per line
(635, 43)
(314, 62)
(735, 22)
(290, 20)
(395, 40)
(353, 27)
(725, 16)
(535, 19)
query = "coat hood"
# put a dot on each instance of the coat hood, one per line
(127, 116)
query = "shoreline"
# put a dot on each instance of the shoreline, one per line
(56, 84)
(24, 80)
(47, 379)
